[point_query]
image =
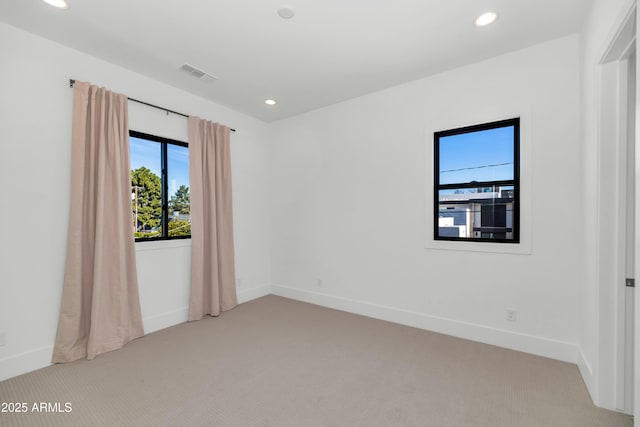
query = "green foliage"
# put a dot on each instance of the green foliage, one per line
(181, 201)
(149, 206)
(146, 234)
(179, 228)
(149, 199)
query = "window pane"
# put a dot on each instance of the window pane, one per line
(146, 187)
(476, 213)
(485, 155)
(179, 195)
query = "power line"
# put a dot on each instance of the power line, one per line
(478, 167)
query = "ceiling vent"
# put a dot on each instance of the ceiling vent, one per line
(196, 72)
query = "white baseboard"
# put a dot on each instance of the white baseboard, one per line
(39, 358)
(564, 351)
(165, 320)
(587, 374)
(245, 295)
(22, 363)
(180, 315)
(589, 381)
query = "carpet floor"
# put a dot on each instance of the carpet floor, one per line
(278, 362)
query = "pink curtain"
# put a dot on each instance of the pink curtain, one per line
(213, 287)
(100, 308)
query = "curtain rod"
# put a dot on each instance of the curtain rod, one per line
(72, 82)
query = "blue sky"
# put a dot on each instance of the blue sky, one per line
(477, 156)
(147, 153)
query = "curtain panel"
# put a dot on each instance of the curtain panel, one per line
(100, 308)
(213, 287)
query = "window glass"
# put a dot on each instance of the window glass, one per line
(160, 195)
(477, 183)
(477, 156)
(146, 187)
(178, 187)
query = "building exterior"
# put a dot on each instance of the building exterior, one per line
(485, 213)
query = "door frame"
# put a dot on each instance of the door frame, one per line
(613, 382)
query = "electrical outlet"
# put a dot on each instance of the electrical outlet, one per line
(511, 315)
(3, 339)
(319, 283)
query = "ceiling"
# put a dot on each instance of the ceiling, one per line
(332, 50)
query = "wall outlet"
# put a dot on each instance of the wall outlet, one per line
(511, 315)
(3, 339)
(319, 283)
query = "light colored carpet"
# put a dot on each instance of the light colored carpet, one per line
(278, 362)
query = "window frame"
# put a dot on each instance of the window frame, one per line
(515, 182)
(164, 142)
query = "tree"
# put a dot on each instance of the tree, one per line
(149, 198)
(179, 228)
(181, 201)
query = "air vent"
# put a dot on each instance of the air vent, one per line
(196, 72)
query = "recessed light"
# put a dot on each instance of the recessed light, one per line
(285, 12)
(270, 101)
(486, 19)
(60, 4)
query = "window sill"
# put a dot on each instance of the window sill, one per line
(162, 244)
(487, 247)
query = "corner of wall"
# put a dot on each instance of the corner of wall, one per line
(586, 371)
(246, 295)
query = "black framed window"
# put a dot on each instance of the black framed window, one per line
(160, 197)
(477, 183)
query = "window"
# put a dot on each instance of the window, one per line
(477, 183)
(160, 196)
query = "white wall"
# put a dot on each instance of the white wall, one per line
(348, 205)
(35, 136)
(597, 296)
